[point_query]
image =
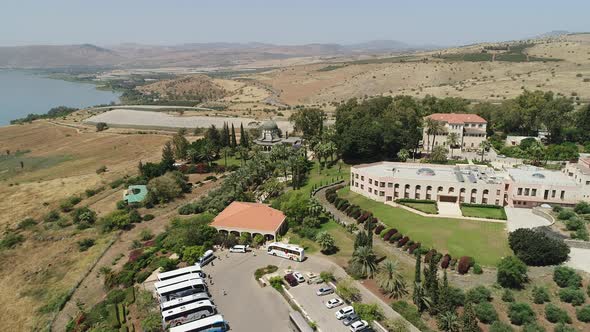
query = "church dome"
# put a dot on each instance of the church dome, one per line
(269, 125)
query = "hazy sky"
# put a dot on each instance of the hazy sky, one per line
(441, 22)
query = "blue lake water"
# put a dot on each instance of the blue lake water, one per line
(23, 93)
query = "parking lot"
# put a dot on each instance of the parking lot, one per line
(315, 307)
(249, 307)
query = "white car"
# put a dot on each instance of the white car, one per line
(324, 291)
(299, 277)
(359, 325)
(239, 248)
(344, 312)
(333, 303)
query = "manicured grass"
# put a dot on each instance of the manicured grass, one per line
(344, 240)
(231, 161)
(429, 208)
(483, 212)
(326, 176)
(487, 242)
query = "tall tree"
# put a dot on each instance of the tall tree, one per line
(225, 151)
(366, 259)
(421, 300)
(390, 280)
(180, 144)
(243, 137)
(167, 162)
(308, 121)
(484, 145)
(469, 319)
(233, 142)
(453, 141)
(213, 136)
(225, 136)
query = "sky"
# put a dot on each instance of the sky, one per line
(288, 22)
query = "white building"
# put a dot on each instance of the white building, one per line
(470, 128)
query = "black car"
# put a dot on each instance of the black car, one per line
(350, 319)
(291, 280)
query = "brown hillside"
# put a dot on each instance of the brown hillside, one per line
(193, 87)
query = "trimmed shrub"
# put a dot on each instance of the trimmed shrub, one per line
(561, 327)
(396, 237)
(566, 214)
(414, 247)
(429, 255)
(521, 313)
(464, 265)
(507, 296)
(572, 295)
(402, 241)
(499, 326)
(479, 294)
(566, 277)
(148, 217)
(583, 314)
(446, 260)
(486, 313)
(537, 249)
(379, 229)
(512, 272)
(477, 269)
(540, 295)
(389, 233)
(555, 314)
(533, 327)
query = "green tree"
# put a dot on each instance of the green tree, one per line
(512, 272)
(448, 322)
(453, 141)
(167, 163)
(469, 319)
(403, 155)
(439, 154)
(390, 280)
(207, 152)
(191, 254)
(233, 141)
(308, 121)
(366, 259)
(180, 145)
(326, 241)
(421, 300)
(213, 135)
(243, 137)
(484, 145)
(225, 151)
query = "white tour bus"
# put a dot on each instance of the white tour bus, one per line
(207, 257)
(182, 289)
(176, 280)
(193, 269)
(214, 323)
(286, 251)
(174, 303)
(188, 313)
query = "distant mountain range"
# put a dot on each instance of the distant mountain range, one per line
(195, 54)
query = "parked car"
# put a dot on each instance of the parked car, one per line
(299, 277)
(314, 280)
(239, 248)
(324, 291)
(359, 325)
(350, 319)
(291, 280)
(333, 303)
(344, 312)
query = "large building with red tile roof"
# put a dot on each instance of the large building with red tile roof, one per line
(252, 218)
(470, 128)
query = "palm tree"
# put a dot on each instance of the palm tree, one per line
(207, 153)
(366, 259)
(448, 322)
(226, 151)
(421, 300)
(326, 241)
(331, 150)
(243, 154)
(453, 140)
(484, 145)
(433, 128)
(390, 281)
(314, 207)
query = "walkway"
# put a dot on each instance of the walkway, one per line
(449, 209)
(523, 218)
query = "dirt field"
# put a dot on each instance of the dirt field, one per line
(48, 264)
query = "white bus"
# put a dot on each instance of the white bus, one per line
(210, 324)
(174, 303)
(286, 251)
(188, 313)
(193, 269)
(182, 289)
(206, 258)
(176, 280)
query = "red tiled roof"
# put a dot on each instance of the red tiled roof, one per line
(251, 216)
(457, 118)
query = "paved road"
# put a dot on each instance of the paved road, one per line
(579, 259)
(523, 218)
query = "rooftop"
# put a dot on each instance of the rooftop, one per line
(249, 217)
(536, 175)
(457, 118)
(135, 194)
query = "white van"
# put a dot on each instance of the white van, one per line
(239, 248)
(206, 258)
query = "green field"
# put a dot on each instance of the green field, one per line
(344, 241)
(328, 175)
(10, 165)
(487, 242)
(429, 208)
(483, 212)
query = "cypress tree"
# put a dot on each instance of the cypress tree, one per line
(431, 281)
(243, 137)
(225, 139)
(445, 303)
(417, 275)
(167, 162)
(469, 320)
(233, 137)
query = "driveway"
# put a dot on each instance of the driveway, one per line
(315, 307)
(579, 259)
(523, 218)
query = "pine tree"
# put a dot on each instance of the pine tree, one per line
(225, 139)
(243, 136)
(469, 320)
(445, 304)
(431, 283)
(417, 275)
(233, 137)
(167, 162)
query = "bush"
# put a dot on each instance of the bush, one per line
(26, 223)
(84, 215)
(52, 216)
(533, 327)
(521, 313)
(486, 313)
(413, 247)
(537, 249)
(368, 312)
(410, 313)
(583, 314)
(479, 294)
(572, 295)
(561, 327)
(499, 326)
(477, 269)
(508, 296)
(403, 241)
(446, 260)
(566, 214)
(574, 224)
(540, 295)
(512, 272)
(146, 235)
(265, 270)
(566, 277)
(379, 229)
(121, 205)
(465, 264)
(456, 296)
(395, 237)
(556, 315)
(582, 208)
(85, 244)
(11, 240)
(389, 233)
(148, 217)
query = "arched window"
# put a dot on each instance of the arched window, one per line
(462, 190)
(485, 191)
(396, 186)
(429, 188)
(440, 189)
(473, 191)
(451, 190)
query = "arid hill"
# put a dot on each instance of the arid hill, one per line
(193, 87)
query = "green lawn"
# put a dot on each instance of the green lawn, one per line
(344, 241)
(326, 176)
(429, 208)
(483, 212)
(231, 161)
(485, 241)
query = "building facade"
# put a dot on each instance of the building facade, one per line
(476, 184)
(470, 129)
